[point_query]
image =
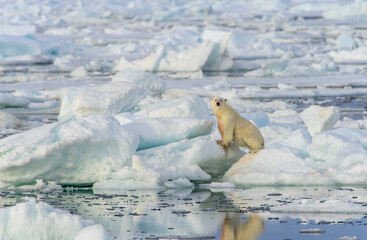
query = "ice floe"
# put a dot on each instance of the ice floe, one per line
(25, 220)
(10, 100)
(79, 151)
(149, 81)
(8, 120)
(319, 119)
(110, 98)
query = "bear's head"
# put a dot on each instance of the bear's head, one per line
(218, 103)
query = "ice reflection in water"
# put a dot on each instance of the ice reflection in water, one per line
(208, 214)
(235, 229)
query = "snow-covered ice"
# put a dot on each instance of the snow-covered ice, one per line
(110, 98)
(79, 151)
(155, 132)
(319, 119)
(189, 106)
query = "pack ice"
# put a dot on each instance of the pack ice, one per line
(32, 220)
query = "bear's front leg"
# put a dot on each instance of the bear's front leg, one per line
(227, 138)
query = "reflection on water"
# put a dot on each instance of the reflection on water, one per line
(235, 229)
(207, 214)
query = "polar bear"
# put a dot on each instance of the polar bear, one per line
(233, 127)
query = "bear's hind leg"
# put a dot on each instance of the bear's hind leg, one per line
(254, 145)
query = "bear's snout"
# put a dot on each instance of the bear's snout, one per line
(218, 104)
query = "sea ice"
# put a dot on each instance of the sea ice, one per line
(16, 45)
(79, 151)
(273, 166)
(8, 120)
(32, 220)
(319, 118)
(41, 186)
(202, 151)
(154, 132)
(189, 106)
(110, 98)
(10, 100)
(204, 54)
(345, 42)
(149, 81)
(140, 176)
(79, 72)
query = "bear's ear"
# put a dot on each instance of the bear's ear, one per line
(211, 99)
(225, 100)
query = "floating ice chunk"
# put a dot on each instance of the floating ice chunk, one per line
(286, 87)
(27, 93)
(348, 238)
(79, 151)
(345, 42)
(319, 118)
(9, 100)
(150, 63)
(94, 232)
(178, 183)
(16, 46)
(79, 72)
(183, 58)
(31, 220)
(273, 167)
(25, 60)
(274, 66)
(42, 186)
(66, 62)
(8, 120)
(67, 96)
(111, 98)
(160, 131)
(317, 206)
(46, 104)
(140, 177)
(149, 81)
(218, 58)
(189, 106)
